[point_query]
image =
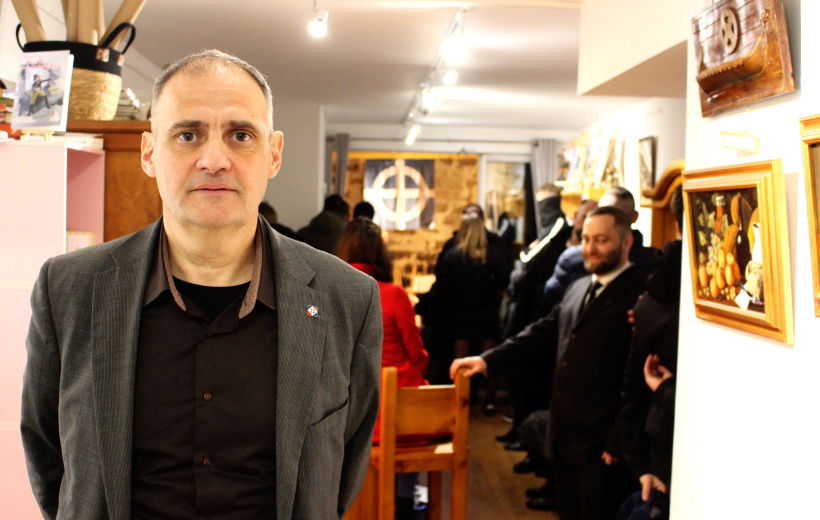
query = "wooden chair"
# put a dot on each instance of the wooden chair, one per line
(439, 412)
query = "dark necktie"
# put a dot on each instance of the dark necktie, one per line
(590, 295)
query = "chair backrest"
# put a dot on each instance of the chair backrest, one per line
(432, 411)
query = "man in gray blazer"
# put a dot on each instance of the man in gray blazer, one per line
(205, 366)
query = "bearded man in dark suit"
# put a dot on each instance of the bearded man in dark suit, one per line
(205, 366)
(590, 334)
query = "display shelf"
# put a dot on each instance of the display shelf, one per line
(48, 189)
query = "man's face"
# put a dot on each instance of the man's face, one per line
(603, 249)
(211, 151)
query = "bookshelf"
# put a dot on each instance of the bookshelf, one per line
(48, 189)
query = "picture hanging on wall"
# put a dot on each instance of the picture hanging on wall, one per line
(646, 169)
(742, 52)
(739, 247)
(402, 192)
(810, 136)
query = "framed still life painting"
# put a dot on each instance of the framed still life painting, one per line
(738, 241)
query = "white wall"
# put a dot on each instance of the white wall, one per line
(617, 35)
(662, 118)
(298, 191)
(745, 432)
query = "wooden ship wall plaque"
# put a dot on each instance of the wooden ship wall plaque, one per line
(742, 52)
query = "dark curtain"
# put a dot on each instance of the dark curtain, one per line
(530, 225)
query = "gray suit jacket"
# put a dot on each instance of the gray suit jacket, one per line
(78, 388)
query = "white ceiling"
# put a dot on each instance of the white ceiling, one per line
(521, 70)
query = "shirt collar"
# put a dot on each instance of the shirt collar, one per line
(609, 277)
(262, 287)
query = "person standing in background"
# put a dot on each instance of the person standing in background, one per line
(325, 229)
(470, 278)
(648, 400)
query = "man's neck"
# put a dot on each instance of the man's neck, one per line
(216, 258)
(607, 278)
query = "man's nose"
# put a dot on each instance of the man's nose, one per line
(214, 157)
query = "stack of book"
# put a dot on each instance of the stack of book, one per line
(129, 106)
(6, 105)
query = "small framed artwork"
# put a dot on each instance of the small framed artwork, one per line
(43, 88)
(810, 135)
(646, 168)
(739, 247)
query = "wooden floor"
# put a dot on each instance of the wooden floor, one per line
(494, 491)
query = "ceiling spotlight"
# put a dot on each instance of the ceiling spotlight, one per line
(410, 140)
(318, 27)
(414, 130)
(450, 77)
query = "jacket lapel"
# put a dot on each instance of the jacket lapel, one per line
(607, 297)
(116, 311)
(301, 347)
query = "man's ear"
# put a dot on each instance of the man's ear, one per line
(628, 240)
(147, 154)
(277, 143)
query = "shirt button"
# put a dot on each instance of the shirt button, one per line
(207, 396)
(572, 337)
(206, 461)
(563, 363)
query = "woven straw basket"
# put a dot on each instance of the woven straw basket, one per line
(96, 80)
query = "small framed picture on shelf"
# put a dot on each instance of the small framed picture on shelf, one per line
(43, 85)
(739, 247)
(646, 168)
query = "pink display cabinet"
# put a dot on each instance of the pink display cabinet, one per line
(46, 189)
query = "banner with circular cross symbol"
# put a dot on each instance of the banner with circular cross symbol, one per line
(401, 192)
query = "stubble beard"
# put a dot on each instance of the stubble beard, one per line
(607, 264)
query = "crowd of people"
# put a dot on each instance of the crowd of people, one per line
(594, 366)
(586, 342)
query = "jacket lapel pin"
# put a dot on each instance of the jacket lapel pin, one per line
(312, 311)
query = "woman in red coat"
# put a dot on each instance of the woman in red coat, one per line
(362, 247)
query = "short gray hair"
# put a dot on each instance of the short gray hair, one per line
(623, 199)
(193, 64)
(623, 224)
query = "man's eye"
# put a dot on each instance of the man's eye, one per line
(187, 136)
(242, 136)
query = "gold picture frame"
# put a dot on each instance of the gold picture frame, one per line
(810, 136)
(738, 242)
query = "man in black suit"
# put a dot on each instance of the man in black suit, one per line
(590, 333)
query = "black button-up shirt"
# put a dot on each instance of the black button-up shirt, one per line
(205, 397)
